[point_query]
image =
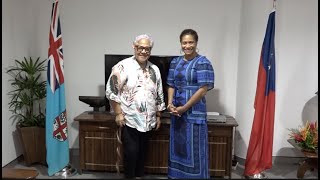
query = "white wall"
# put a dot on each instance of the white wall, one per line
(296, 45)
(93, 28)
(22, 35)
(111, 27)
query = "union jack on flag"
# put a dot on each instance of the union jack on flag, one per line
(55, 52)
(57, 143)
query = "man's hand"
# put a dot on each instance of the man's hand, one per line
(158, 123)
(120, 120)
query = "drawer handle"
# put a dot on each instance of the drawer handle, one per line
(221, 143)
(101, 127)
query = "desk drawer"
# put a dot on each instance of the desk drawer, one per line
(220, 131)
(97, 126)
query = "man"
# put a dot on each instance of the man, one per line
(135, 92)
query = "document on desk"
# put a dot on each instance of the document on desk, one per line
(216, 117)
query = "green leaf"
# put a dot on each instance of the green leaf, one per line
(28, 90)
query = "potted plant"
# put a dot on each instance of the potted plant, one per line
(27, 105)
(306, 137)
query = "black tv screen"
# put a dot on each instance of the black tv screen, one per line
(163, 63)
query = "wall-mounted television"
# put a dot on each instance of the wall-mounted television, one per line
(163, 63)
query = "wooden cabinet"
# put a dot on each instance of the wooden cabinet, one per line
(98, 143)
(220, 137)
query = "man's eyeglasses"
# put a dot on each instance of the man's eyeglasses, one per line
(141, 48)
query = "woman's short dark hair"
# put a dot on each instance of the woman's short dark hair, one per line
(189, 32)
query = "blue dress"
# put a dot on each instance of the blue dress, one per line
(188, 149)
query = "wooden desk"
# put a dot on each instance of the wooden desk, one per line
(310, 163)
(97, 141)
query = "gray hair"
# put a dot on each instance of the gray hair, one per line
(143, 36)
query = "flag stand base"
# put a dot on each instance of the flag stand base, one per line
(257, 176)
(66, 172)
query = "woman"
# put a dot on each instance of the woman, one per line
(190, 77)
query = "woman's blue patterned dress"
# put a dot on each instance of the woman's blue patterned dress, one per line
(188, 149)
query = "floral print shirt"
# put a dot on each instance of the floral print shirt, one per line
(139, 91)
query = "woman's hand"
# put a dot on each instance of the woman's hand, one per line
(173, 110)
(120, 120)
(180, 110)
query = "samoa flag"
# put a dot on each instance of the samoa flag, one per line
(259, 154)
(57, 143)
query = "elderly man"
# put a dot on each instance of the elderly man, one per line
(135, 92)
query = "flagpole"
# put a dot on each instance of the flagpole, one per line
(274, 5)
(57, 143)
(261, 174)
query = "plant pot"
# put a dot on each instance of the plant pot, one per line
(309, 150)
(33, 143)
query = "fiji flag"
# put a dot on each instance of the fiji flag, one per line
(259, 155)
(56, 118)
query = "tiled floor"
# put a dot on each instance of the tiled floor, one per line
(283, 168)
